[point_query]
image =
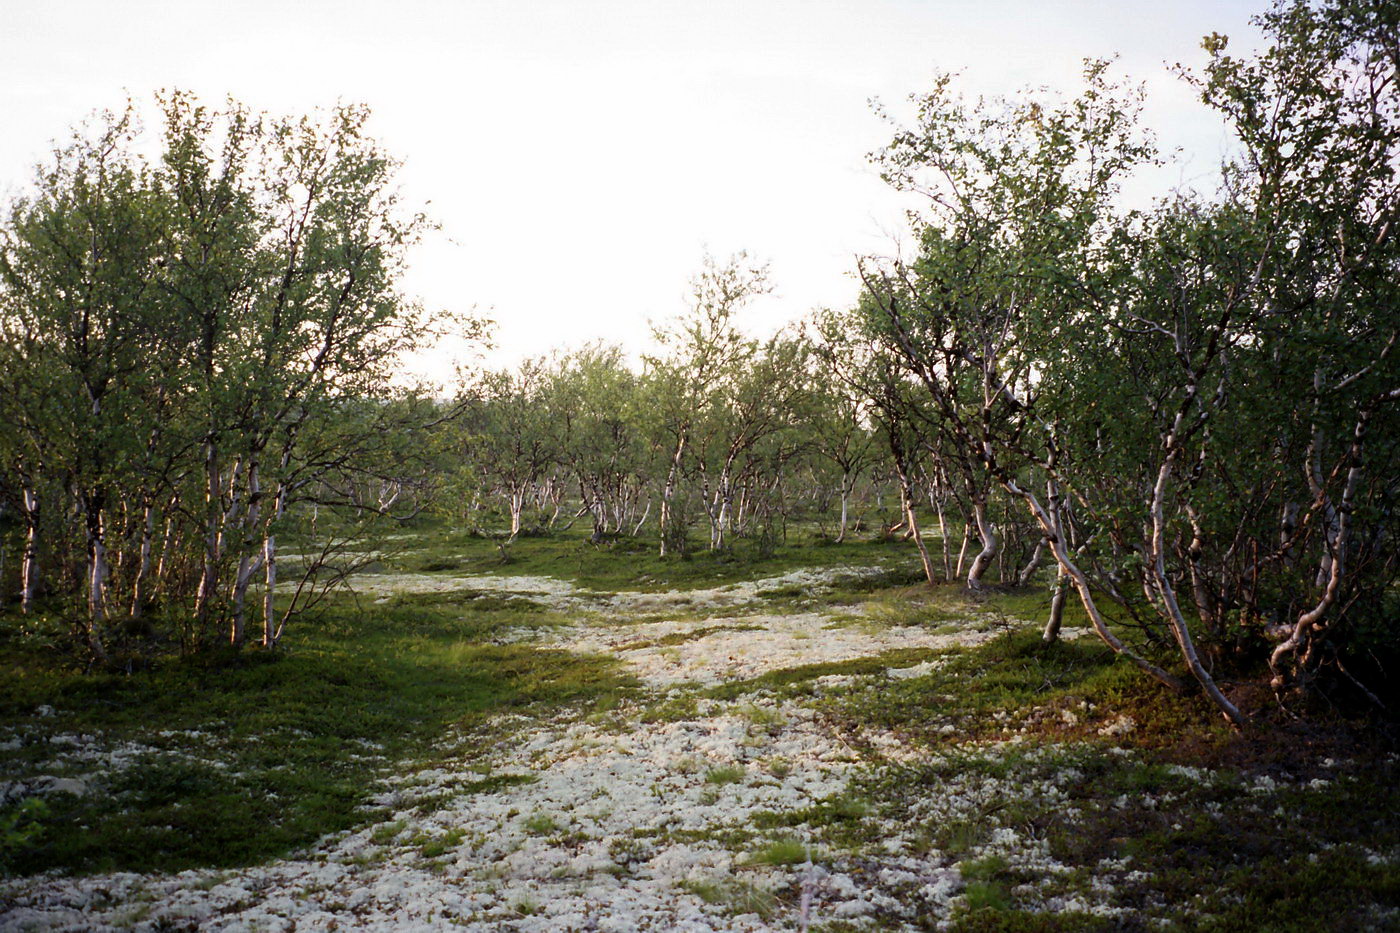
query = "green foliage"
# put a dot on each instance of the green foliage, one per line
(21, 828)
(1168, 389)
(741, 897)
(196, 343)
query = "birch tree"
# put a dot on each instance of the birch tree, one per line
(175, 329)
(697, 351)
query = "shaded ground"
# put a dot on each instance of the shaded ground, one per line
(825, 748)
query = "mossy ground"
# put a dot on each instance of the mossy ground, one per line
(238, 758)
(633, 563)
(1138, 798)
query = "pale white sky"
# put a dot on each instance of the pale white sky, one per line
(582, 154)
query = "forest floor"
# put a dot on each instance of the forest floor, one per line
(825, 747)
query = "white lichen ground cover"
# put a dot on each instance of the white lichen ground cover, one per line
(678, 811)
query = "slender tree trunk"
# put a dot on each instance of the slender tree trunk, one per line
(962, 551)
(29, 564)
(1057, 608)
(271, 630)
(517, 506)
(1200, 591)
(845, 507)
(247, 566)
(1158, 569)
(725, 507)
(97, 572)
(143, 564)
(269, 591)
(1002, 549)
(1310, 622)
(167, 551)
(642, 521)
(668, 491)
(943, 538)
(1059, 548)
(272, 627)
(1055, 507)
(212, 512)
(906, 502)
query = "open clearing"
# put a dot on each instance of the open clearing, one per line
(819, 749)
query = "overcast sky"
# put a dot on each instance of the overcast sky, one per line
(581, 155)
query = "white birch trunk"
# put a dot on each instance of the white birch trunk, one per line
(668, 491)
(943, 538)
(1158, 568)
(96, 576)
(517, 506)
(962, 551)
(143, 565)
(246, 565)
(1310, 622)
(1024, 576)
(29, 564)
(270, 631)
(845, 511)
(209, 568)
(990, 544)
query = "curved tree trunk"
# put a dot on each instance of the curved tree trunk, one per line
(1310, 622)
(1175, 620)
(990, 544)
(143, 565)
(846, 484)
(1033, 564)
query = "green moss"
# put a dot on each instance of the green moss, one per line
(782, 852)
(986, 895)
(737, 895)
(1016, 683)
(795, 680)
(440, 845)
(267, 752)
(987, 917)
(672, 709)
(725, 775)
